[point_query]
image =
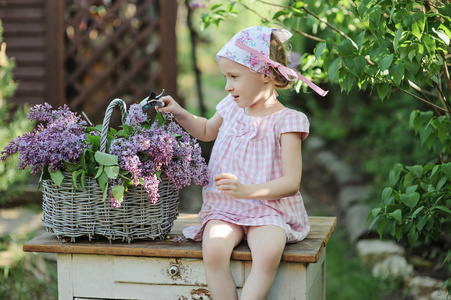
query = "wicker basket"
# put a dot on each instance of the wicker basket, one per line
(72, 214)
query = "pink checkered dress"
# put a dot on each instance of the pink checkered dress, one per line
(249, 148)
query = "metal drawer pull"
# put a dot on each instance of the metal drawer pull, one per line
(174, 270)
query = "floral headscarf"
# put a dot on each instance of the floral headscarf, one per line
(250, 47)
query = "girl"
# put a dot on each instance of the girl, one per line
(255, 166)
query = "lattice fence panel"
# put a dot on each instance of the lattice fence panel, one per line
(112, 51)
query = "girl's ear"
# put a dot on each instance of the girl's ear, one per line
(266, 78)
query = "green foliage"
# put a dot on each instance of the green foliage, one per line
(416, 204)
(434, 132)
(29, 275)
(11, 179)
(372, 133)
(11, 126)
(217, 14)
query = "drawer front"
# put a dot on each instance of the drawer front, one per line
(167, 271)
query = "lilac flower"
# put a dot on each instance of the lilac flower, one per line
(135, 115)
(178, 239)
(294, 59)
(195, 4)
(63, 138)
(160, 148)
(151, 184)
(113, 201)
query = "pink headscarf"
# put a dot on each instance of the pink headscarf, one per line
(250, 47)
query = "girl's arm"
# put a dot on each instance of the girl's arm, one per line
(285, 186)
(200, 128)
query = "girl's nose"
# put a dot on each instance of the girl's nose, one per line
(228, 86)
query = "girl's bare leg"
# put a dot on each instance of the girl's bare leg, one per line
(218, 240)
(267, 244)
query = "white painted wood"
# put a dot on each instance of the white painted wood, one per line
(93, 276)
(156, 271)
(124, 277)
(316, 279)
(65, 283)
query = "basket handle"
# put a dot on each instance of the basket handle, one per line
(106, 120)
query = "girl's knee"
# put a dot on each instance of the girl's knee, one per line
(215, 250)
(268, 258)
(267, 245)
(219, 239)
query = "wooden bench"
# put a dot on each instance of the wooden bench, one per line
(174, 270)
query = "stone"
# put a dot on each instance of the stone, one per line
(372, 251)
(326, 158)
(393, 267)
(356, 221)
(314, 144)
(343, 173)
(439, 295)
(423, 286)
(352, 194)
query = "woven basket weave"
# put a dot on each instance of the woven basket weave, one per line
(72, 214)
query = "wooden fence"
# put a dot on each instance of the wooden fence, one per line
(85, 53)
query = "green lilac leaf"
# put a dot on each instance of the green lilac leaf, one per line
(112, 171)
(106, 159)
(118, 192)
(57, 176)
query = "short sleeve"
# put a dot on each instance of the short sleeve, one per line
(295, 121)
(226, 107)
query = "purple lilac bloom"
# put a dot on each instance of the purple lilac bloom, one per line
(195, 4)
(178, 239)
(113, 201)
(166, 148)
(151, 184)
(62, 138)
(135, 115)
(294, 59)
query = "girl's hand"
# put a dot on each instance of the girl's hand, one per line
(170, 106)
(229, 185)
(200, 128)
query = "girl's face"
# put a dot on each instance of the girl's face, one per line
(246, 87)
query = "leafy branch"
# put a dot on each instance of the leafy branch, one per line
(295, 8)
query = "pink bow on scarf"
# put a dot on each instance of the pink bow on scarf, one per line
(286, 72)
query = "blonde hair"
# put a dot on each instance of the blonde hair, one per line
(278, 54)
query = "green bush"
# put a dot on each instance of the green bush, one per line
(11, 126)
(373, 135)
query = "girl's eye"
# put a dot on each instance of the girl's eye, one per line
(231, 76)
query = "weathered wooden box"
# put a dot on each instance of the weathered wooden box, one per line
(172, 270)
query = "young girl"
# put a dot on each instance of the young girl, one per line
(255, 165)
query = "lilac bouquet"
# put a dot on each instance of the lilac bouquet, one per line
(138, 154)
(63, 139)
